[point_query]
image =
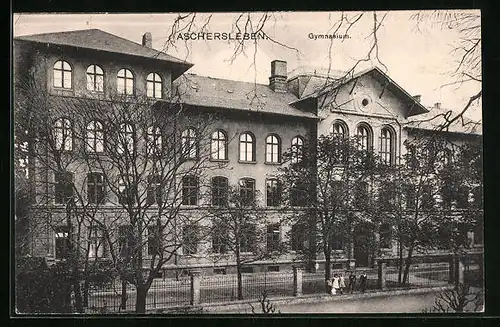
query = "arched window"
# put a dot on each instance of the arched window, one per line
(247, 147)
(219, 145)
(95, 78)
(188, 143)
(125, 82)
(339, 129)
(273, 149)
(387, 146)
(63, 134)
(297, 149)
(154, 86)
(154, 140)
(126, 138)
(219, 191)
(95, 137)
(364, 137)
(62, 75)
(189, 190)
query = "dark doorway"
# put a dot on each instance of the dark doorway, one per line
(362, 245)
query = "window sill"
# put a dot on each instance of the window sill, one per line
(189, 206)
(219, 160)
(272, 163)
(247, 162)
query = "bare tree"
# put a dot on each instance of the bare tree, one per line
(332, 192)
(239, 229)
(466, 69)
(122, 168)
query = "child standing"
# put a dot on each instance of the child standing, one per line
(341, 284)
(335, 284)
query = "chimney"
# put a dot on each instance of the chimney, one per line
(147, 40)
(437, 105)
(417, 97)
(277, 81)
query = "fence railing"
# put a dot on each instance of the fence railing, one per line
(197, 290)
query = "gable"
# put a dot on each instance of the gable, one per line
(364, 95)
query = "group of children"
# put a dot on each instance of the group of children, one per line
(338, 285)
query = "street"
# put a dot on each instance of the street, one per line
(409, 303)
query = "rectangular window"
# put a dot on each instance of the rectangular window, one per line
(385, 236)
(95, 188)
(127, 190)
(219, 240)
(299, 237)
(273, 268)
(190, 239)
(247, 237)
(96, 242)
(154, 240)
(219, 191)
(427, 197)
(220, 271)
(62, 242)
(298, 195)
(247, 191)
(273, 192)
(63, 187)
(247, 270)
(154, 194)
(189, 190)
(361, 195)
(273, 237)
(126, 241)
(410, 197)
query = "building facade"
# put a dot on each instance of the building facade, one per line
(255, 125)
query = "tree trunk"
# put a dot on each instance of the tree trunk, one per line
(328, 266)
(238, 274)
(400, 262)
(78, 296)
(123, 304)
(140, 303)
(408, 264)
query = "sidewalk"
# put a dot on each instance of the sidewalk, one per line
(324, 302)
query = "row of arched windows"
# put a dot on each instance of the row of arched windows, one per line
(63, 135)
(364, 136)
(125, 80)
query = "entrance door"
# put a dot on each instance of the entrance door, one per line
(362, 246)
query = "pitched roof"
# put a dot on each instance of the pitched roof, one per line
(223, 93)
(319, 88)
(437, 118)
(97, 39)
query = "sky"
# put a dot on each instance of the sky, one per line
(419, 60)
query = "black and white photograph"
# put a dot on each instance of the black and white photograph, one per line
(247, 163)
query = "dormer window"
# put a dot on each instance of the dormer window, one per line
(125, 82)
(62, 75)
(154, 86)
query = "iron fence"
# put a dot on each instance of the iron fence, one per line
(423, 274)
(224, 288)
(116, 298)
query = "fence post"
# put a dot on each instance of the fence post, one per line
(460, 267)
(381, 274)
(451, 270)
(297, 281)
(195, 287)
